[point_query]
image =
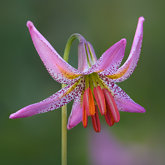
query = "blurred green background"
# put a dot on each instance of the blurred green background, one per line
(24, 80)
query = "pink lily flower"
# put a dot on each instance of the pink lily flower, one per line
(92, 85)
(105, 149)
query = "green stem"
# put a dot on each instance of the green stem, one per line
(69, 42)
(64, 108)
(64, 134)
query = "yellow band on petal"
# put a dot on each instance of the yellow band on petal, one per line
(72, 87)
(67, 74)
(120, 73)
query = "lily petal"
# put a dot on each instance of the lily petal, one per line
(123, 101)
(92, 52)
(62, 97)
(60, 70)
(82, 57)
(86, 56)
(128, 105)
(111, 59)
(91, 56)
(128, 67)
(76, 114)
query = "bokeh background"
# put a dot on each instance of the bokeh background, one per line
(24, 80)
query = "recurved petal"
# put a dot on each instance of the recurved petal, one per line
(62, 97)
(123, 101)
(128, 67)
(60, 70)
(92, 52)
(128, 105)
(111, 59)
(76, 114)
(82, 57)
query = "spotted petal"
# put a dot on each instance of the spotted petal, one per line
(76, 113)
(110, 60)
(123, 101)
(128, 67)
(60, 70)
(62, 97)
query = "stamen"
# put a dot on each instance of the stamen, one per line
(110, 102)
(88, 102)
(84, 117)
(108, 117)
(99, 96)
(96, 121)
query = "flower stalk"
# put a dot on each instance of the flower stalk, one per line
(64, 108)
(64, 134)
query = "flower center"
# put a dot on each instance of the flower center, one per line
(98, 97)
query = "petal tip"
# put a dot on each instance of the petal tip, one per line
(124, 41)
(71, 124)
(68, 127)
(29, 24)
(12, 116)
(142, 110)
(141, 19)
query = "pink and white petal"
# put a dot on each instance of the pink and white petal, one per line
(123, 101)
(62, 97)
(60, 70)
(128, 67)
(128, 105)
(76, 114)
(82, 57)
(111, 59)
